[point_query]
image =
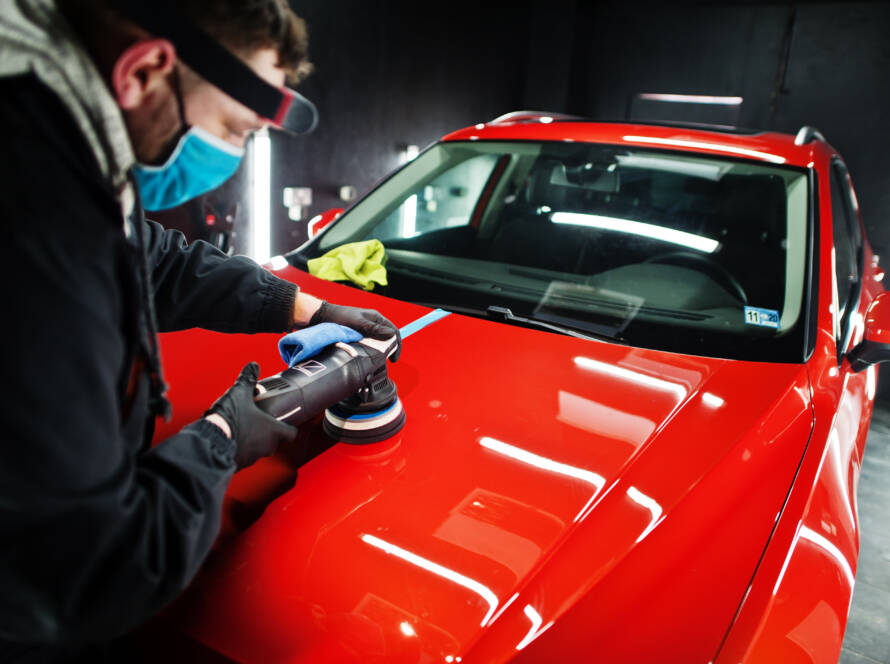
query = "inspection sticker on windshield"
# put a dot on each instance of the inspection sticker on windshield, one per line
(762, 317)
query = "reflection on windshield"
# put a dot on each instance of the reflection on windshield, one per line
(636, 228)
(697, 253)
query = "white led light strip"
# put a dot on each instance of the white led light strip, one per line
(261, 196)
(693, 99)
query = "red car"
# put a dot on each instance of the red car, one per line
(634, 430)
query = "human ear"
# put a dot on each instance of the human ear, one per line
(140, 69)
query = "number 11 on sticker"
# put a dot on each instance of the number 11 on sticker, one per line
(761, 317)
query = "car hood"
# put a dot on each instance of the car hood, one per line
(624, 495)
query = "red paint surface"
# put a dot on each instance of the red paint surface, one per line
(549, 499)
(796, 610)
(769, 144)
(319, 222)
(877, 320)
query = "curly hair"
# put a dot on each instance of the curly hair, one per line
(243, 26)
(247, 25)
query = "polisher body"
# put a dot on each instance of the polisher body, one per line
(349, 382)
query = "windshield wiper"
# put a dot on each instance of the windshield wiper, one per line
(507, 315)
(589, 335)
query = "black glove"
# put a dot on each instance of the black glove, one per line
(366, 321)
(256, 434)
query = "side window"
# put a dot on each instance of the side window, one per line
(447, 201)
(847, 250)
(852, 215)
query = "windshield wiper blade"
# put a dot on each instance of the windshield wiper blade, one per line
(508, 315)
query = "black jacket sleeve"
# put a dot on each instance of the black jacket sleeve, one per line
(96, 532)
(197, 285)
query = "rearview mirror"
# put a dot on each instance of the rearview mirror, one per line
(321, 221)
(875, 345)
(602, 177)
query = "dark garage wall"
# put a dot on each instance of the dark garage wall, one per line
(390, 74)
(839, 77)
(387, 74)
(837, 74)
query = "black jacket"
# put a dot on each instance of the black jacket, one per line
(98, 530)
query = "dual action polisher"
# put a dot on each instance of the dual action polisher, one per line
(349, 382)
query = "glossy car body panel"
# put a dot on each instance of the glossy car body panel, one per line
(797, 608)
(767, 146)
(321, 221)
(876, 320)
(550, 498)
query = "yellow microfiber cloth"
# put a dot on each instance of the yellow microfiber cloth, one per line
(358, 262)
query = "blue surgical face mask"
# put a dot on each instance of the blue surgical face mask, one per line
(200, 163)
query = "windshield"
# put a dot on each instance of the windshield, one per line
(667, 250)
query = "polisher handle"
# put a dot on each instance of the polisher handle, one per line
(303, 391)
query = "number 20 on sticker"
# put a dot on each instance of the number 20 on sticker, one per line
(762, 317)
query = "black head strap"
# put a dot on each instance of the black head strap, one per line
(283, 107)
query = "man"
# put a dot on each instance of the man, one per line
(101, 103)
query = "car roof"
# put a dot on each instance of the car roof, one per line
(765, 146)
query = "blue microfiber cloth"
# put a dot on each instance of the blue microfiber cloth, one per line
(308, 342)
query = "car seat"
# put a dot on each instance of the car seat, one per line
(526, 235)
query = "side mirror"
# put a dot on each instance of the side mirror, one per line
(875, 345)
(321, 221)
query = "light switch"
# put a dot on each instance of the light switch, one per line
(296, 200)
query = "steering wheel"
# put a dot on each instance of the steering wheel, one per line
(706, 265)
